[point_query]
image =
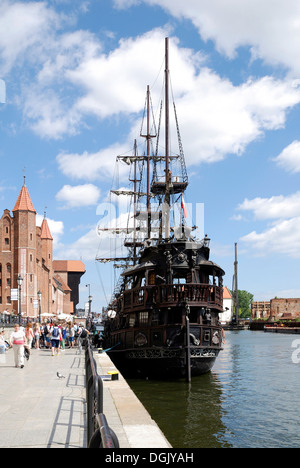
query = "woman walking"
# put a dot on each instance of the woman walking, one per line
(37, 333)
(17, 340)
(29, 335)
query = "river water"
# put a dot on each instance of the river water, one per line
(250, 399)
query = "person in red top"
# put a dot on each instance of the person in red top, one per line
(17, 340)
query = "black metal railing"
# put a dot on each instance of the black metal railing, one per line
(99, 434)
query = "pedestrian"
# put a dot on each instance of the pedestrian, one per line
(83, 333)
(71, 335)
(29, 335)
(37, 333)
(76, 328)
(2, 342)
(55, 339)
(63, 336)
(47, 328)
(17, 340)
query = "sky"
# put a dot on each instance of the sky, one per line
(73, 81)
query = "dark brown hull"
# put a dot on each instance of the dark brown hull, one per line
(162, 363)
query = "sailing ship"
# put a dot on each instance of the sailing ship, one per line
(163, 318)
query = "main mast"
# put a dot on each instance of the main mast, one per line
(167, 124)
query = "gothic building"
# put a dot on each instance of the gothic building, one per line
(27, 250)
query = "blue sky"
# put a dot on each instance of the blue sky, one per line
(75, 74)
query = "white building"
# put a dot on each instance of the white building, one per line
(227, 315)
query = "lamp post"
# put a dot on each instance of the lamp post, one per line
(19, 281)
(40, 297)
(90, 301)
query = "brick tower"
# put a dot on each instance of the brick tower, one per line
(46, 275)
(25, 249)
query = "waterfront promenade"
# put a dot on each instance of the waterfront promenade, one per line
(39, 410)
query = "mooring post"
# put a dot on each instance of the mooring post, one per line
(188, 349)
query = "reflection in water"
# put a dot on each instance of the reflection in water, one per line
(188, 414)
(250, 399)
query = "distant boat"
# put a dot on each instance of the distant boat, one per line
(163, 318)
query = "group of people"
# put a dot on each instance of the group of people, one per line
(52, 336)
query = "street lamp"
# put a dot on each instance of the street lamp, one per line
(19, 281)
(90, 300)
(40, 297)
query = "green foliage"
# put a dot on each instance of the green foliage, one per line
(245, 300)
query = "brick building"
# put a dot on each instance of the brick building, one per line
(276, 309)
(260, 310)
(27, 250)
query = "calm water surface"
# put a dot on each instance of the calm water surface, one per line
(250, 399)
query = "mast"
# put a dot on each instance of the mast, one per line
(134, 201)
(148, 164)
(236, 299)
(167, 124)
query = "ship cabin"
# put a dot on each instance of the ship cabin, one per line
(170, 281)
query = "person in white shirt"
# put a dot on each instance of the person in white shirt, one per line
(17, 340)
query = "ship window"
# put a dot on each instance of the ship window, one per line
(151, 278)
(179, 281)
(131, 320)
(206, 336)
(143, 318)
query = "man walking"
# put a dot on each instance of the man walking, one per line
(55, 339)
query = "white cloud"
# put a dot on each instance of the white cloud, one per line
(275, 207)
(89, 166)
(78, 196)
(270, 28)
(220, 118)
(289, 158)
(22, 24)
(56, 228)
(116, 83)
(283, 238)
(215, 117)
(84, 248)
(75, 79)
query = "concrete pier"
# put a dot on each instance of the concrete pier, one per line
(39, 410)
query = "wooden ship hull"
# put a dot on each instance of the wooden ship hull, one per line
(161, 363)
(168, 330)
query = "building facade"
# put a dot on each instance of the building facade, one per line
(226, 316)
(276, 309)
(27, 251)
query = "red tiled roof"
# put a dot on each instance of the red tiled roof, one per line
(24, 202)
(68, 265)
(45, 231)
(226, 293)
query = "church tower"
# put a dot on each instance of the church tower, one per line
(25, 249)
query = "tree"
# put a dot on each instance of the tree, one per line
(245, 300)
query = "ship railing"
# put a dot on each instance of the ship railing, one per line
(211, 295)
(99, 434)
